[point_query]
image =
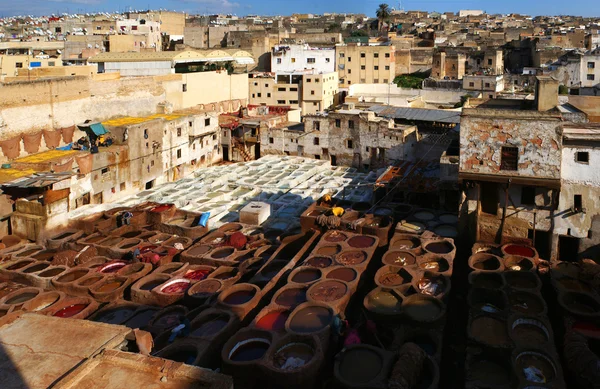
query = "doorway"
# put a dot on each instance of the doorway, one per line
(489, 198)
(333, 160)
(225, 153)
(568, 248)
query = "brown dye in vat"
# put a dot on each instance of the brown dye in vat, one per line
(539, 361)
(525, 303)
(44, 256)
(490, 263)
(44, 302)
(320, 262)
(200, 250)
(361, 242)
(407, 244)
(90, 281)
(310, 319)
(328, 291)
(210, 327)
(335, 236)
(206, 288)
(488, 281)
(520, 280)
(291, 297)
(36, 268)
(490, 331)
(27, 253)
(225, 275)
(141, 319)
(94, 239)
(115, 316)
(439, 265)
(350, 258)
(306, 275)
(52, 272)
(329, 250)
(131, 234)
(360, 365)
(423, 310)
(343, 274)
(72, 276)
(112, 241)
(399, 258)
(297, 351)
(488, 373)
(109, 287)
(395, 278)
(249, 350)
(442, 247)
(21, 298)
(575, 285)
(19, 265)
(529, 333)
(239, 297)
(223, 253)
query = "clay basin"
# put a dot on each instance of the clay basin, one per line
(485, 262)
(522, 280)
(35, 267)
(303, 349)
(516, 263)
(342, 273)
(170, 268)
(209, 325)
(196, 273)
(486, 280)
(334, 236)
(135, 270)
(424, 309)
(188, 353)
(310, 318)
(360, 366)
(526, 303)
(152, 281)
(20, 264)
(405, 242)
(362, 241)
(305, 275)
(525, 330)
(21, 296)
(71, 275)
(43, 301)
(489, 330)
(168, 318)
(433, 284)
(519, 250)
(328, 250)
(351, 257)
(392, 276)
(327, 291)
(128, 244)
(383, 301)
(198, 250)
(534, 358)
(290, 296)
(74, 308)
(231, 227)
(116, 314)
(399, 258)
(579, 304)
(175, 286)
(319, 261)
(487, 300)
(238, 295)
(246, 347)
(222, 253)
(272, 319)
(205, 289)
(434, 263)
(111, 267)
(439, 247)
(489, 370)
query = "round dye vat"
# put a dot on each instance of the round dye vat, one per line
(335, 236)
(448, 218)
(529, 331)
(273, 321)
(489, 330)
(399, 258)
(385, 301)
(320, 262)
(19, 265)
(383, 211)
(329, 250)
(527, 303)
(223, 253)
(71, 310)
(184, 356)
(406, 244)
(523, 251)
(350, 258)
(343, 274)
(489, 373)
(141, 319)
(21, 298)
(146, 249)
(291, 297)
(239, 297)
(306, 275)
(297, 351)
(211, 327)
(521, 280)
(249, 350)
(152, 284)
(112, 267)
(131, 269)
(131, 234)
(44, 256)
(176, 287)
(115, 316)
(446, 231)
(196, 275)
(90, 281)
(109, 287)
(172, 268)
(169, 320)
(361, 242)
(438, 265)
(360, 365)
(424, 216)
(537, 360)
(206, 288)
(52, 272)
(328, 291)
(422, 309)
(44, 302)
(161, 208)
(394, 277)
(225, 275)
(487, 280)
(310, 319)
(441, 247)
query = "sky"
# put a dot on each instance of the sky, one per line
(287, 7)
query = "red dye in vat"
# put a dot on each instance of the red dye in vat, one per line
(523, 251)
(112, 267)
(361, 242)
(196, 275)
(273, 321)
(161, 208)
(71, 310)
(145, 249)
(176, 287)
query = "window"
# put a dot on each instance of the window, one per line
(317, 156)
(490, 61)
(253, 95)
(591, 65)
(293, 89)
(362, 81)
(266, 85)
(376, 67)
(471, 84)
(184, 87)
(387, 68)
(387, 55)
(577, 203)
(214, 137)
(281, 89)
(582, 157)
(312, 92)
(308, 80)
(362, 67)
(349, 71)
(349, 59)
(152, 163)
(376, 55)
(134, 28)
(19, 65)
(258, 95)
(179, 132)
(146, 133)
(509, 158)
(350, 123)
(590, 77)
(317, 80)
(278, 60)
(367, 148)
(385, 80)
(280, 101)
(271, 140)
(178, 153)
(293, 101)
(376, 81)
(349, 82)
(362, 55)
(51, 63)
(341, 55)
(349, 144)
(317, 126)
(311, 60)
(528, 195)
(104, 170)
(190, 123)
(268, 95)
(293, 60)
(327, 60)
(338, 123)
(487, 84)
(256, 84)
(316, 141)
(122, 186)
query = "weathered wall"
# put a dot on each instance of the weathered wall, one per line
(537, 136)
(402, 96)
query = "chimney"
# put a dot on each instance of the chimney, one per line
(546, 93)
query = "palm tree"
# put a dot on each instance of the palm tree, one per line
(383, 12)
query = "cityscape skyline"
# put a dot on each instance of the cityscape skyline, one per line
(276, 8)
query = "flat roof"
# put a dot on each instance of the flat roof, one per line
(420, 114)
(130, 120)
(176, 56)
(47, 156)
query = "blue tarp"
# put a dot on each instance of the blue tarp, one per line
(98, 129)
(66, 147)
